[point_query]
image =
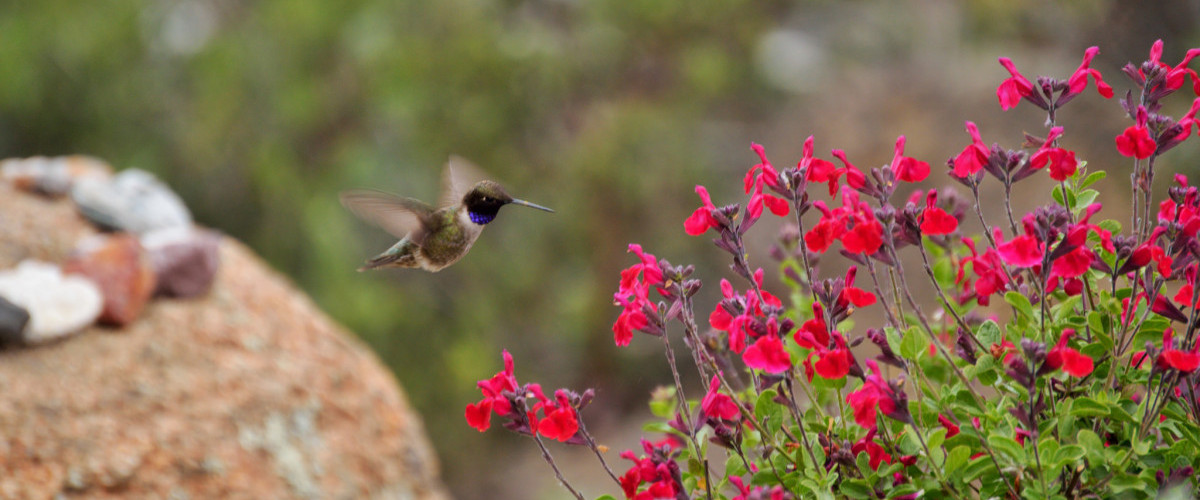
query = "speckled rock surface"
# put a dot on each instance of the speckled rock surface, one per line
(246, 392)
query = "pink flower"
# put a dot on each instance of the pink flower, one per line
(1014, 87)
(934, 220)
(1135, 141)
(767, 354)
(701, 219)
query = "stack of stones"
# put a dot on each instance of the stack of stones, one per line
(149, 248)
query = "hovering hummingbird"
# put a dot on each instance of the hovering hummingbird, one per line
(433, 238)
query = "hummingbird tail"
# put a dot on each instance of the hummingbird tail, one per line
(380, 261)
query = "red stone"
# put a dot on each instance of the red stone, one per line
(121, 269)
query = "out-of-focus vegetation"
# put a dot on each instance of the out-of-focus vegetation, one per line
(609, 111)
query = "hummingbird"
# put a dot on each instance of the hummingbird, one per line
(433, 238)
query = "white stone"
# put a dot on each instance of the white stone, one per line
(58, 305)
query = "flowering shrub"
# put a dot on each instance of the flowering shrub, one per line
(1057, 357)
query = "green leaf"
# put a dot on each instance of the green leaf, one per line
(1020, 303)
(1008, 446)
(765, 405)
(977, 467)
(893, 338)
(1088, 407)
(605, 497)
(1126, 482)
(1085, 198)
(1068, 454)
(989, 333)
(1092, 178)
(855, 488)
(935, 440)
(957, 458)
(914, 344)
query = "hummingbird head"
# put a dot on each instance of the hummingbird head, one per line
(485, 199)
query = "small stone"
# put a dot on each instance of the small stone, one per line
(52, 176)
(122, 270)
(133, 200)
(185, 260)
(58, 305)
(13, 319)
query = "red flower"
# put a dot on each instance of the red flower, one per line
(1072, 264)
(767, 354)
(633, 295)
(1136, 140)
(854, 176)
(1070, 360)
(974, 156)
(479, 414)
(874, 451)
(833, 364)
(646, 471)
(1022, 251)
(874, 396)
(827, 230)
(989, 269)
(1172, 358)
(865, 238)
(908, 169)
(819, 170)
(934, 220)
(718, 405)
(1078, 81)
(1014, 88)
(1061, 161)
(754, 187)
(1175, 73)
(854, 295)
(561, 422)
(701, 219)
(814, 333)
(951, 428)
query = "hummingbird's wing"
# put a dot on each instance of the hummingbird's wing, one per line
(397, 215)
(459, 176)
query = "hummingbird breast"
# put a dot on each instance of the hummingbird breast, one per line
(451, 240)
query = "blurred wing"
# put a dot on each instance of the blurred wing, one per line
(459, 176)
(397, 215)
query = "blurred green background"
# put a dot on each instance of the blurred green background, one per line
(609, 111)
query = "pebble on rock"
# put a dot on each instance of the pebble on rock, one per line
(52, 176)
(57, 305)
(133, 200)
(13, 319)
(185, 260)
(122, 270)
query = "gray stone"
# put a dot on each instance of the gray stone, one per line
(133, 200)
(13, 319)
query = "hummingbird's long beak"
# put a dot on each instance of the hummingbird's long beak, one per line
(530, 205)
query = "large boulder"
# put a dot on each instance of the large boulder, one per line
(249, 391)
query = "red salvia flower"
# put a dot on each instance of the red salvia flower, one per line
(479, 415)
(562, 421)
(1022, 251)
(1012, 89)
(908, 169)
(951, 428)
(853, 295)
(767, 354)
(934, 220)
(819, 170)
(1062, 162)
(1172, 358)
(701, 219)
(874, 451)
(1175, 74)
(1135, 141)
(718, 405)
(1070, 360)
(974, 156)
(1078, 80)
